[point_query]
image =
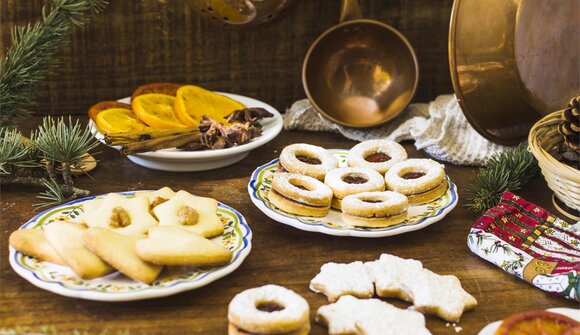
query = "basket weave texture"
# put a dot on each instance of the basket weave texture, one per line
(544, 142)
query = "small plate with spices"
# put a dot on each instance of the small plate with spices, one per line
(186, 160)
(418, 216)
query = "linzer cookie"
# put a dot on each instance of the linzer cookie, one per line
(352, 180)
(374, 209)
(269, 309)
(307, 159)
(379, 155)
(300, 195)
(421, 180)
(336, 280)
(528, 242)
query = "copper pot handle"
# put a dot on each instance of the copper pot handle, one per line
(350, 10)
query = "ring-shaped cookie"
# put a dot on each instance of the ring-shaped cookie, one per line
(352, 180)
(374, 209)
(269, 309)
(307, 159)
(299, 194)
(415, 176)
(379, 155)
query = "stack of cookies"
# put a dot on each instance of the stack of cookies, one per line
(137, 236)
(375, 190)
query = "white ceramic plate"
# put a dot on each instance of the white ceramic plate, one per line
(117, 287)
(186, 161)
(418, 216)
(491, 328)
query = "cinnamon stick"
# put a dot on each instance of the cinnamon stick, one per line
(122, 138)
(160, 143)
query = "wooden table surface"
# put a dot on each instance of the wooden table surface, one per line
(280, 255)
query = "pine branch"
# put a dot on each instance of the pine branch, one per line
(30, 59)
(54, 144)
(507, 171)
(62, 142)
(14, 152)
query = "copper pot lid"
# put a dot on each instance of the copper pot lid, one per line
(513, 61)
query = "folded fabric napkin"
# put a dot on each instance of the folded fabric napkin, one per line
(526, 241)
(439, 128)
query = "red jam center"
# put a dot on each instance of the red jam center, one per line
(377, 157)
(354, 180)
(269, 307)
(413, 175)
(370, 201)
(308, 160)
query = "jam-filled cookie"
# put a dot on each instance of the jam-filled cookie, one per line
(421, 180)
(301, 195)
(352, 180)
(379, 155)
(269, 309)
(307, 159)
(374, 209)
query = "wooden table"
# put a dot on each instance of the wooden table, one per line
(280, 254)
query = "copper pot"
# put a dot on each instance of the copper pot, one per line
(239, 13)
(360, 73)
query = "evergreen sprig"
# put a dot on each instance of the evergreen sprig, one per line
(63, 142)
(506, 171)
(14, 152)
(30, 58)
(53, 149)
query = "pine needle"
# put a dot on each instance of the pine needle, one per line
(63, 142)
(506, 171)
(30, 58)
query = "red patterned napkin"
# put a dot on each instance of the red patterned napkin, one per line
(528, 242)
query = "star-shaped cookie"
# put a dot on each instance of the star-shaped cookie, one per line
(350, 315)
(336, 280)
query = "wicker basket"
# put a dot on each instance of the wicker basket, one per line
(544, 141)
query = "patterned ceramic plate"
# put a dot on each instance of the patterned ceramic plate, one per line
(418, 216)
(117, 287)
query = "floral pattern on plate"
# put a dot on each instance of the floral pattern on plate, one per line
(117, 287)
(418, 216)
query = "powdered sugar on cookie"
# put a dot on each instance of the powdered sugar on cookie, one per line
(336, 280)
(369, 316)
(396, 277)
(392, 274)
(440, 295)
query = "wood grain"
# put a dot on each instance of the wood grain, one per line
(280, 254)
(137, 42)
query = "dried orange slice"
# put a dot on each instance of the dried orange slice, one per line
(156, 110)
(161, 88)
(193, 102)
(537, 322)
(113, 116)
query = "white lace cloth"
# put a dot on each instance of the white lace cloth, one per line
(439, 128)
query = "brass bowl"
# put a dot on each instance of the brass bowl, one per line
(513, 61)
(239, 13)
(360, 73)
